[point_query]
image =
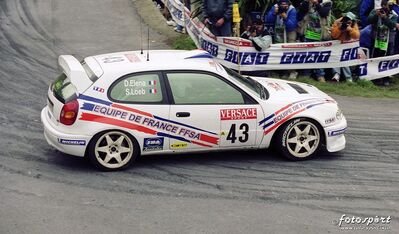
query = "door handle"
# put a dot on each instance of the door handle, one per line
(182, 114)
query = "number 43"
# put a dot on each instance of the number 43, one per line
(243, 130)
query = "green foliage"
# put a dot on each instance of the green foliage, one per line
(361, 88)
(184, 42)
(367, 84)
(343, 6)
(196, 10)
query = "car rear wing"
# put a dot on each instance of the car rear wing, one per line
(74, 70)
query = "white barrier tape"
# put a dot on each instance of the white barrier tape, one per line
(326, 54)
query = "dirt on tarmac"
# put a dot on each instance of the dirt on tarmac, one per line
(45, 191)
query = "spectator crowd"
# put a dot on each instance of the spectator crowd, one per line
(312, 21)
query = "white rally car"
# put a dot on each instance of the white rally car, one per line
(114, 107)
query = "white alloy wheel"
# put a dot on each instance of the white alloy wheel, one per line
(300, 139)
(113, 150)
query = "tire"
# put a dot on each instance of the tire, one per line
(113, 150)
(299, 139)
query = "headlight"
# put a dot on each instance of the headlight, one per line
(339, 115)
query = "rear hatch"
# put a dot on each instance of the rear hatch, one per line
(63, 93)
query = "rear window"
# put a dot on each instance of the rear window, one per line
(137, 88)
(63, 89)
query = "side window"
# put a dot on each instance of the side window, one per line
(143, 88)
(197, 88)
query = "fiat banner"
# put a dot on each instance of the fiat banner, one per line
(240, 54)
(176, 9)
(379, 67)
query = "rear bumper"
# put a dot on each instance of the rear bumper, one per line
(66, 143)
(335, 138)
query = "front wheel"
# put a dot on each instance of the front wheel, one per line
(299, 139)
(113, 150)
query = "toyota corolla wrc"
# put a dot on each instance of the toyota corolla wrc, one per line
(114, 107)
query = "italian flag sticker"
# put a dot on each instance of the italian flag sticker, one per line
(152, 82)
(153, 90)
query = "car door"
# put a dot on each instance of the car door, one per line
(211, 112)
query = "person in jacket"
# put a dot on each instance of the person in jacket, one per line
(344, 29)
(383, 23)
(314, 18)
(259, 36)
(218, 15)
(283, 16)
(393, 5)
(365, 39)
(366, 6)
(261, 40)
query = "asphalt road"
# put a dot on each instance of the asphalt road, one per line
(44, 191)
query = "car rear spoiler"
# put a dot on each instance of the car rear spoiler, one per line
(75, 71)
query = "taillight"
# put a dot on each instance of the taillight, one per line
(69, 112)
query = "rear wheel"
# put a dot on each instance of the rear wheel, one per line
(113, 150)
(299, 139)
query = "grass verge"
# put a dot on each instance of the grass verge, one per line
(184, 42)
(361, 88)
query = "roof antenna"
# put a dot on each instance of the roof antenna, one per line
(148, 49)
(141, 35)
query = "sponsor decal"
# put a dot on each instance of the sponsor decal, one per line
(306, 45)
(132, 58)
(217, 66)
(118, 115)
(153, 144)
(336, 132)
(281, 116)
(305, 57)
(135, 92)
(104, 110)
(71, 142)
(114, 59)
(135, 87)
(386, 65)
(275, 86)
(235, 42)
(330, 120)
(288, 128)
(236, 114)
(246, 58)
(134, 83)
(211, 48)
(179, 145)
(363, 71)
(98, 89)
(349, 54)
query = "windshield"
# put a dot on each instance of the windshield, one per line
(249, 82)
